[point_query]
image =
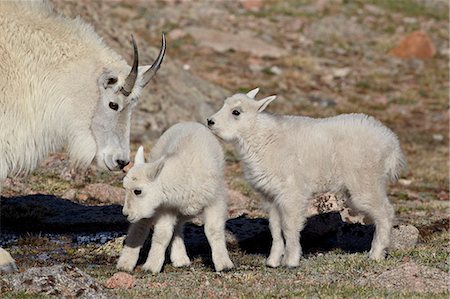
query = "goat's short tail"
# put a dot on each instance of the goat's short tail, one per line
(395, 164)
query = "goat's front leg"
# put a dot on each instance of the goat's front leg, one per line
(293, 218)
(215, 217)
(134, 241)
(178, 254)
(277, 249)
(162, 234)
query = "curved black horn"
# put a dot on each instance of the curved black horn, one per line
(148, 75)
(131, 78)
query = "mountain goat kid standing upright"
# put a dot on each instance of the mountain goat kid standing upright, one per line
(183, 179)
(62, 87)
(288, 158)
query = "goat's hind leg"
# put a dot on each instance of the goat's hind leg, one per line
(374, 202)
(215, 217)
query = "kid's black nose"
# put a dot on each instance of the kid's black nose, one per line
(210, 122)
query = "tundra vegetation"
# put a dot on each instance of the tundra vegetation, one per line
(328, 68)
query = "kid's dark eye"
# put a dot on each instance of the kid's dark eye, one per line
(137, 191)
(114, 106)
(236, 112)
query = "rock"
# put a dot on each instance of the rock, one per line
(341, 72)
(176, 34)
(405, 182)
(404, 237)
(243, 42)
(438, 137)
(276, 70)
(336, 28)
(443, 195)
(112, 247)
(105, 193)
(62, 281)
(252, 5)
(121, 280)
(416, 45)
(329, 202)
(410, 277)
(237, 203)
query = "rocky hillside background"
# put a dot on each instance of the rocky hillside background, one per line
(386, 58)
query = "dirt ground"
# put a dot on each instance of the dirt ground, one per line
(321, 58)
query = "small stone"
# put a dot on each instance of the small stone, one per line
(186, 67)
(121, 280)
(443, 195)
(252, 5)
(404, 182)
(176, 34)
(438, 137)
(276, 70)
(415, 45)
(404, 237)
(381, 99)
(341, 72)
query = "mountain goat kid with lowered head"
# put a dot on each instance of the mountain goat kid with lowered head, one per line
(288, 158)
(62, 87)
(185, 177)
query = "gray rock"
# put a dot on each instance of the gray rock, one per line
(404, 237)
(336, 28)
(62, 281)
(244, 42)
(410, 277)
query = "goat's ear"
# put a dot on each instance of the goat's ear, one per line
(108, 80)
(139, 158)
(262, 104)
(154, 169)
(252, 93)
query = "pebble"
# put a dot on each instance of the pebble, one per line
(121, 280)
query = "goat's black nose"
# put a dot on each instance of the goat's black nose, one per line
(210, 122)
(122, 163)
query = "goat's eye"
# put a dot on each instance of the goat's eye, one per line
(235, 112)
(112, 81)
(114, 106)
(137, 191)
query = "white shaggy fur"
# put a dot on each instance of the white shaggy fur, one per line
(288, 158)
(57, 81)
(183, 179)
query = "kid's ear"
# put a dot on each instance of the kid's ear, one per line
(155, 168)
(262, 104)
(139, 158)
(252, 93)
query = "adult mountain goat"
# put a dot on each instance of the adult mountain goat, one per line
(288, 158)
(62, 87)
